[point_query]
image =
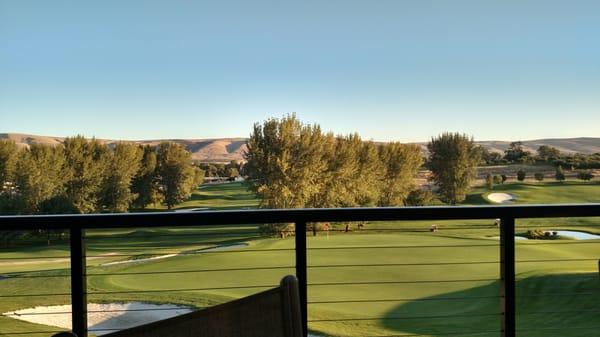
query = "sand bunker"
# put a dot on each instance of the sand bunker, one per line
(204, 250)
(501, 198)
(102, 318)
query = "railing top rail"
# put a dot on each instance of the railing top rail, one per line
(206, 218)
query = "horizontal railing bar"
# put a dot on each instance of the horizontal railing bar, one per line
(236, 217)
(28, 332)
(402, 317)
(405, 300)
(399, 247)
(563, 328)
(402, 264)
(399, 282)
(190, 271)
(555, 260)
(559, 312)
(174, 290)
(555, 294)
(441, 333)
(92, 311)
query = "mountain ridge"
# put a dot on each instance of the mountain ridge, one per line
(228, 149)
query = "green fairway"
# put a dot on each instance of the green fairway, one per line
(381, 280)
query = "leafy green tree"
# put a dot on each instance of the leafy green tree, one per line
(489, 181)
(198, 176)
(497, 179)
(585, 175)
(503, 178)
(175, 173)
(8, 160)
(516, 154)
(547, 153)
(123, 163)
(521, 174)
(145, 185)
(453, 162)
(538, 176)
(401, 162)
(340, 182)
(39, 176)
(370, 175)
(85, 167)
(559, 174)
(285, 162)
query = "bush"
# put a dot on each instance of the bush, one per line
(277, 229)
(538, 176)
(418, 197)
(498, 179)
(504, 178)
(489, 181)
(521, 174)
(585, 175)
(560, 174)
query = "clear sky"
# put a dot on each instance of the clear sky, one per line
(389, 70)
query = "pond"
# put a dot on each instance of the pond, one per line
(578, 235)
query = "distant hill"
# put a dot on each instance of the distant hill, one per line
(227, 149)
(207, 150)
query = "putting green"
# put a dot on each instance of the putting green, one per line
(450, 276)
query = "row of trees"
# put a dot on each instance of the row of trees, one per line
(84, 176)
(544, 154)
(292, 165)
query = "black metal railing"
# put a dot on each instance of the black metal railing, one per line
(303, 218)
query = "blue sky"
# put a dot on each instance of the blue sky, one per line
(389, 70)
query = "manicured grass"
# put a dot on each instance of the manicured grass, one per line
(406, 279)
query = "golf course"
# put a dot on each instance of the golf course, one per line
(380, 279)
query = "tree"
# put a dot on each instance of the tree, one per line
(285, 163)
(489, 181)
(559, 174)
(39, 177)
(175, 173)
(547, 153)
(521, 174)
(370, 175)
(516, 154)
(453, 162)
(198, 176)
(503, 178)
(497, 179)
(8, 160)
(123, 163)
(84, 172)
(401, 162)
(585, 175)
(538, 176)
(145, 184)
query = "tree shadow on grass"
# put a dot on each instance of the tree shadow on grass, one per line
(549, 305)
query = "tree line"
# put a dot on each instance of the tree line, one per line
(295, 165)
(516, 154)
(87, 176)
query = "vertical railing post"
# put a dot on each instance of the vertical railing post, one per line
(507, 277)
(78, 282)
(301, 267)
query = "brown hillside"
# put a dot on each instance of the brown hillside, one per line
(227, 149)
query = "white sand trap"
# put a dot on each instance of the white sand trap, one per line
(501, 198)
(104, 318)
(213, 249)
